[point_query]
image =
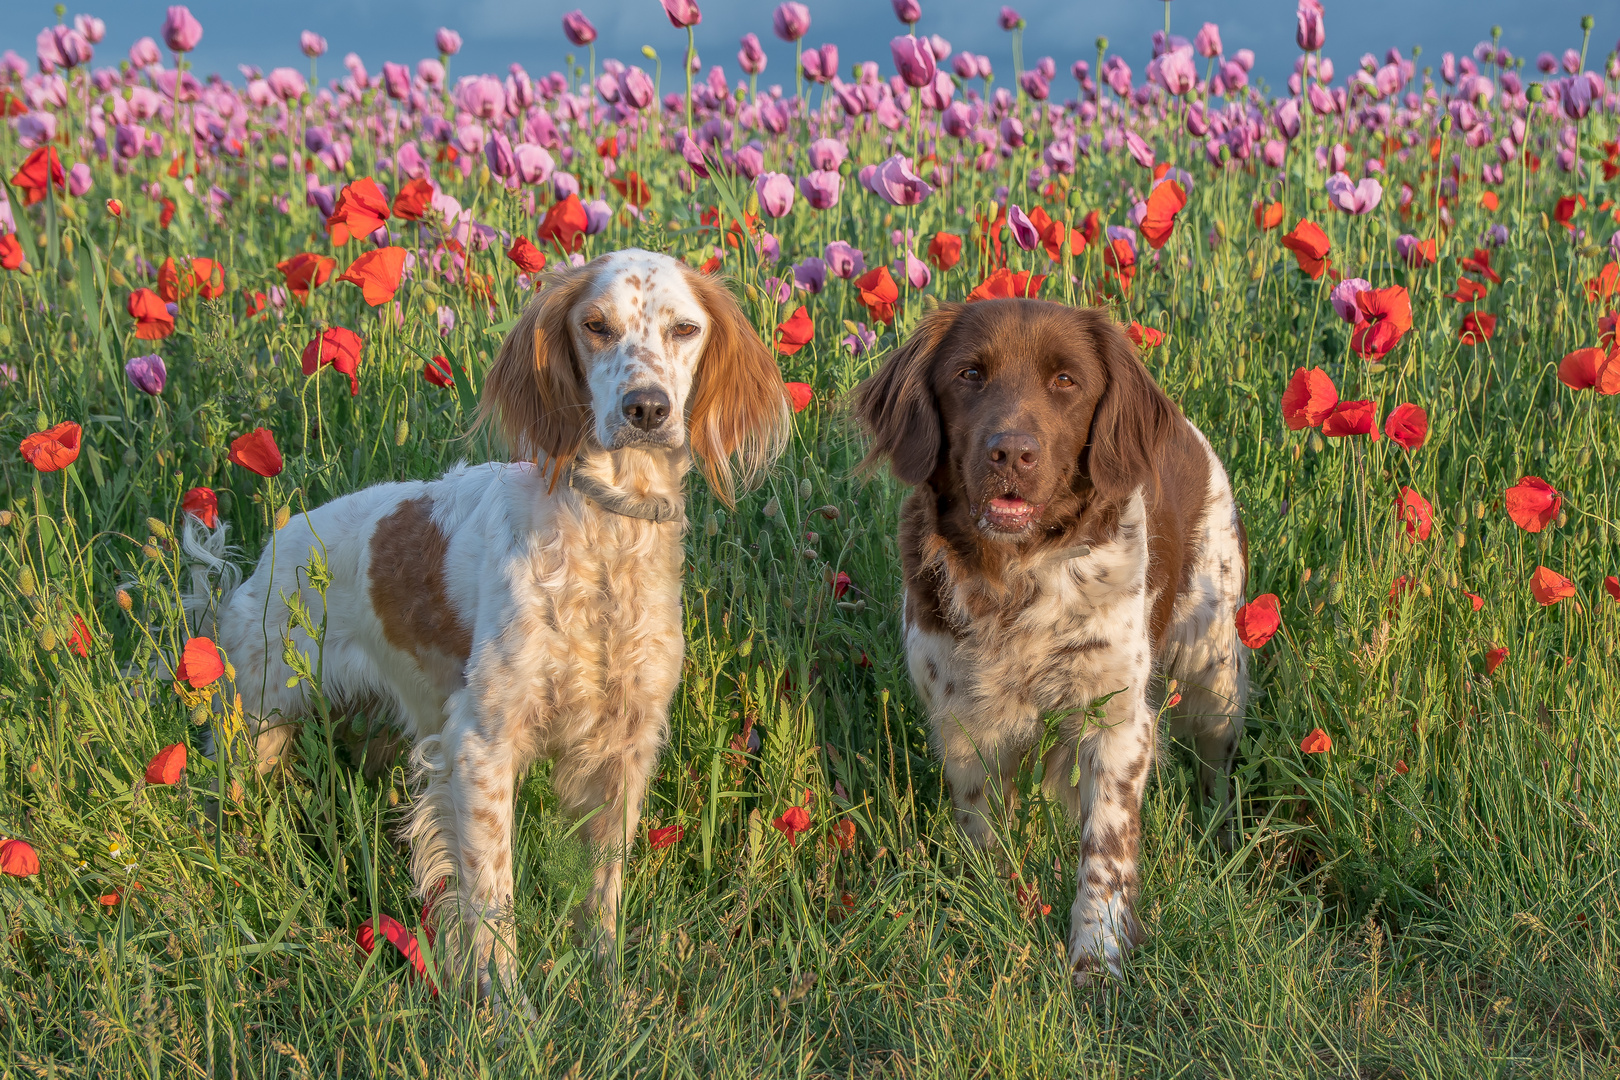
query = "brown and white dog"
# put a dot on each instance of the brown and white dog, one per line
(1070, 535)
(511, 612)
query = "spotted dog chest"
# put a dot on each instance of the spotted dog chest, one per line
(1052, 637)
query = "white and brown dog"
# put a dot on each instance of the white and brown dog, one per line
(1070, 535)
(509, 612)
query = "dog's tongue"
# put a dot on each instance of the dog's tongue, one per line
(1009, 511)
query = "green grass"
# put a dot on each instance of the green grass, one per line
(1457, 919)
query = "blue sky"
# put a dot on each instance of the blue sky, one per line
(497, 32)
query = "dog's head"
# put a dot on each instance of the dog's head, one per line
(1016, 407)
(635, 349)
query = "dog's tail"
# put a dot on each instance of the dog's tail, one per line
(214, 577)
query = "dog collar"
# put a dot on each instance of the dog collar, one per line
(654, 508)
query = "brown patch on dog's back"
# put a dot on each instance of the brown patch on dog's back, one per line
(407, 586)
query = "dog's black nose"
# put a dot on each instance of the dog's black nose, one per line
(1011, 450)
(646, 409)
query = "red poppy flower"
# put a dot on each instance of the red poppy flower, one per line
(1494, 657)
(1549, 587)
(437, 371)
(668, 836)
(1564, 210)
(168, 281)
(377, 273)
(166, 216)
(1423, 253)
(340, 347)
(306, 271)
(794, 820)
(945, 250)
(1090, 229)
(1584, 369)
(1144, 337)
(39, 168)
(79, 637)
(1310, 247)
(1317, 742)
(529, 259)
(18, 859)
(608, 147)
(54, 448)
(1352, 418)
(1480, 263)
(254, 302)
(257, 452)
(1415, 513)
(564, 225)
(1407, 426)
(152, 319)
(1052, 233)
(879, 292)
(1468, 290)
(200, 664)
(796, 333)
(202, 504)
(710, 265)
(1388, 316)
(1120, 258)
(1489, 201)
(208, 277)
(1532, 503)
(1258, 620)
(1474, 599)
(1609, 329)
(167, 765)
(1268, 216)
(633, 188)
(1309, 399)
(11, 252)
(413, 200)
(1477, 327)
(843, 834)
(1003, 283)
(394, 932)
(800, 395)
(361, 210)
(1401, 768)
(1611, 585)
(1605, 285)
(841, 585)
(1164, 202)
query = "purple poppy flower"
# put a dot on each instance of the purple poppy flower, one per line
(914, 270)
(1009, 19)
(181, 30)
(861, 341)
(1023, 230)
(1351, 197)
(78, 179)
(597, 216)
(821, 189)
(810, 275)
(1310, 32)
(448, 41)
(751, 57)
(790, 21)
(498, 155)
(147, 374)
(775, 192)
(578, 29)
(843, 260)
(1139, 149)
(820, 65)
(563, 185)
(897, 185)
(908, 11)
(1208, 41)
(827, 154)
(913, 59)
(1344, 299)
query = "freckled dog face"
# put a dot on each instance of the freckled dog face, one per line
(1016, 399)
(639, 335)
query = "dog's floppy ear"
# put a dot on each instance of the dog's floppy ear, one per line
(1133, 418)
(535, 393)
(739, 417)
(897, 404)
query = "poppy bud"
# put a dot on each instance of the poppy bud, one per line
(124, 601)
(1318, 444)
(151, 551)
(25, 581)
(157, 528)
(830, 512)
(1461, 537)
(1535, 93)
(1563, 518)
(1336, 593)
(47, 639)
(1102, 44)
(402, 431)
(1479, 510)
(114, 207)
(711, 527)
(772, 507)
(649, 52)
(804, 488)
(1586, 22)
(201, 713)
(5, 518)
(283, 516)
(393, 797)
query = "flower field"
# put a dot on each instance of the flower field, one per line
(1389, 294)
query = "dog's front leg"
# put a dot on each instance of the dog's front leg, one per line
(610, 789)
(1114, 752)
(462, 828)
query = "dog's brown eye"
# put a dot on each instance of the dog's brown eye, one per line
(596, 326)
(971, 374)
(1063, 381)
(685, 329)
